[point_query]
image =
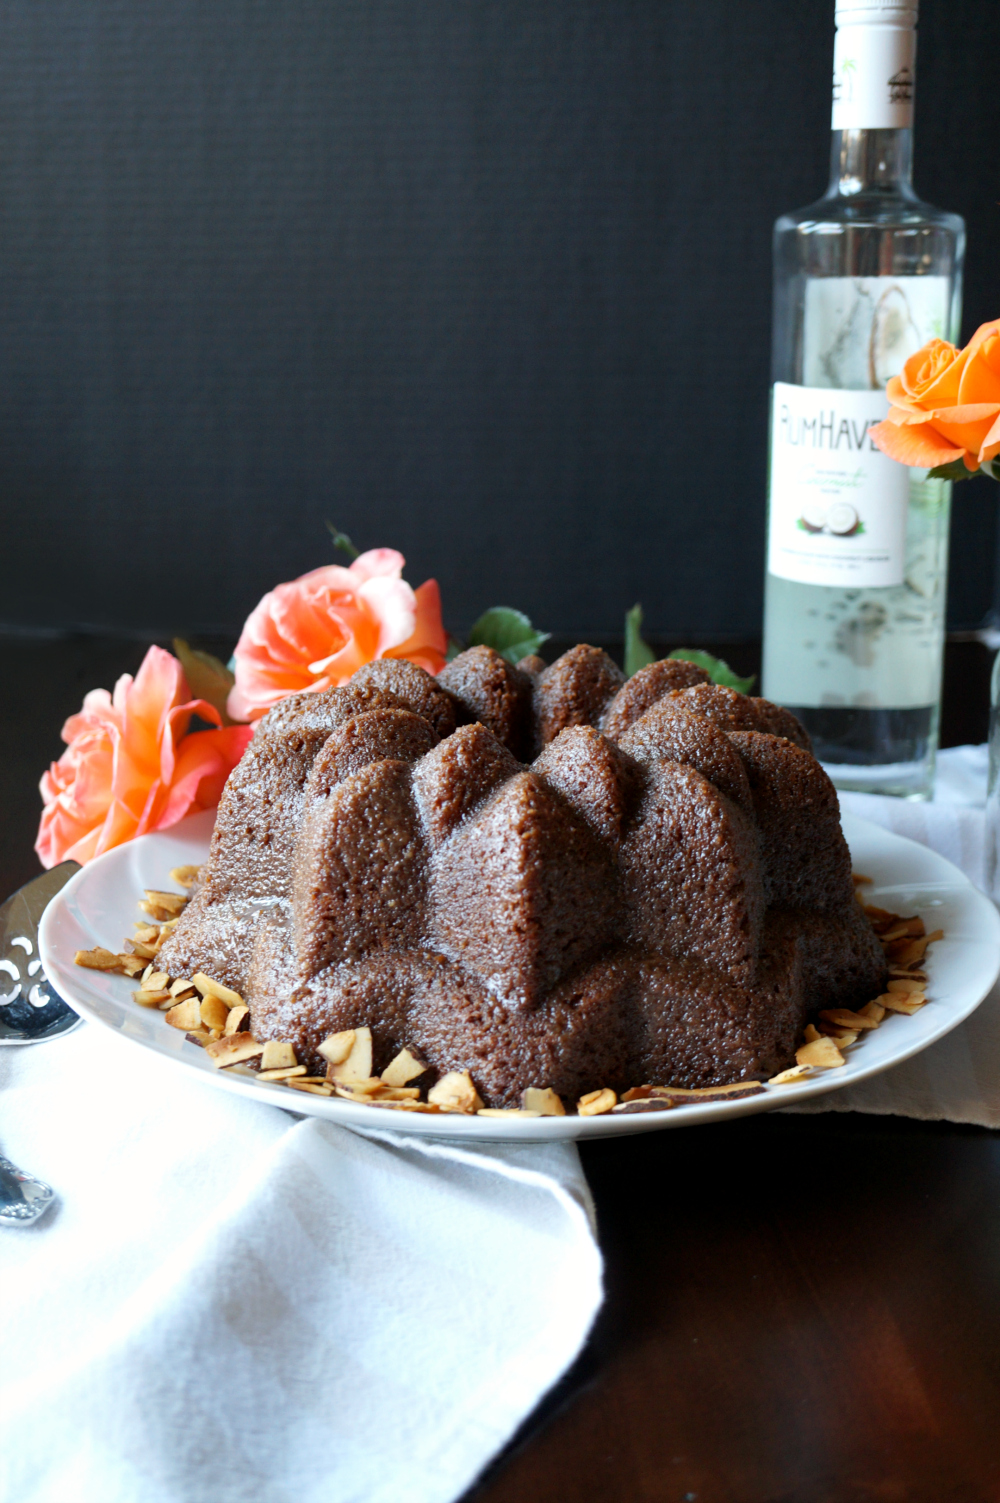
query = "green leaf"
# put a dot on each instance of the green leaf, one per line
(343, 542)
(955, 470)
(720, 672)
(638, 654)
(508, 632)
(453, 649)
(207, 677)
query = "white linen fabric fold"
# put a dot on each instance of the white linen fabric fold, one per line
(232, 1305)
(958, 1078)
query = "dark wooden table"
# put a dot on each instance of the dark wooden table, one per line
(800, 1309)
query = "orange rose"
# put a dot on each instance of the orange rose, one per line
(946, 404)
(316, 631)
(132, 766)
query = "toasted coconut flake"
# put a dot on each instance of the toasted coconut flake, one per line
(681, 1095)
(856, 878)
(543, 1100)
(811, 1033)
(596, 1103)
(99, 959)
(406, 1106)
(186, 876)
(796, 1072)
(133, 965)
(841, 1039)
(337, 1046)
(880, 915)
(140, 948)
(455, 1092)
(637, 1093)
(820, 1052)
(873, 1010)
(404, 1068)
(173, 902)
(278, 1055)
(153, 909)
(236, 1018)
(146, 934)
(208, 987)
(156, 981)
(843, 1017)
(199, 1036)
(310, 1087)
(357, 1089)
(154, 999)
(897, 973)
(214, 1011)
(906, 952)
(233, 1048)
(896, 1002)
(356, 1066)
(185, 1014)
(643, 1104)
(280, 1074)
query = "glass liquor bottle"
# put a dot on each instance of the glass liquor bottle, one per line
(857, 544)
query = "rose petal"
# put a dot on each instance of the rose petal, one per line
(966, 426)
(428, 646)
(981, 376)
(991, 444)
(392, 608)
(376, 563)
(920, 447)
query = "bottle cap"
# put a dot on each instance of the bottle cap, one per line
(876, 12)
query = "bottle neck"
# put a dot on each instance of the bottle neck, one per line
(871, 162)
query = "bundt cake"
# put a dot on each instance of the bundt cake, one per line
(546, 876)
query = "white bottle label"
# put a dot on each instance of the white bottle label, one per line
(837, 504)
(874, 72)
(859, 331)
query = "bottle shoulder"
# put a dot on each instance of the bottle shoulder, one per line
(878, 210)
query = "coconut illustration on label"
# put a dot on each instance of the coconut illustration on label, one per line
(813, 517)
(842, 519)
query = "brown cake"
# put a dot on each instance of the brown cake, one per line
(543, 875)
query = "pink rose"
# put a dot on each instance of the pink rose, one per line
(315, 632)
(132, 766)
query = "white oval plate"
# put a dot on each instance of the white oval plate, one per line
(97, 907)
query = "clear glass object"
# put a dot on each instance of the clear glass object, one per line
(862, 279)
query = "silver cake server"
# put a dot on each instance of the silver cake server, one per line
(31, 1012)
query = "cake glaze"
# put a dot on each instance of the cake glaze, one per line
(542, 875)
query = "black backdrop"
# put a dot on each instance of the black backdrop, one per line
(485, 280)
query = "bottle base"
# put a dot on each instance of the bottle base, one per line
(883, 751)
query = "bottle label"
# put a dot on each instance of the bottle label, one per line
(859, 331)
(837, 504)
(874, 72)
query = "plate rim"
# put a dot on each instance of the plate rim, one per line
(519, 1130)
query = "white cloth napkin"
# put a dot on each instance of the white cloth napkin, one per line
(958, 1078)
(232, 1305)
